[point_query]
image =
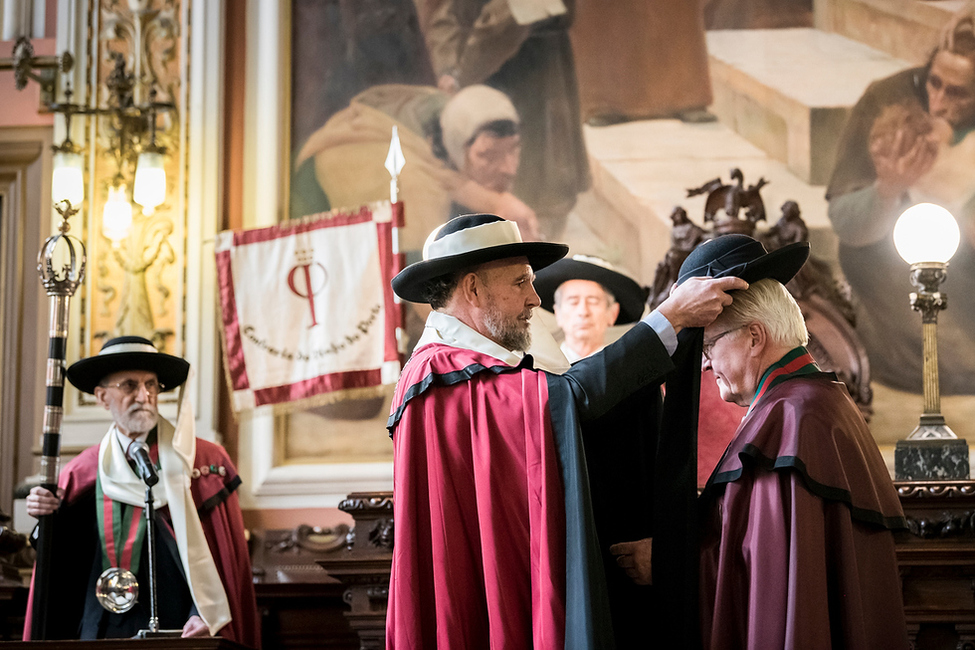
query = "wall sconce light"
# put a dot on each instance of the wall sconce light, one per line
(42, 69)
(128, 118)
(926, 236)
(133, 127)
(117, 214)
(68, 179)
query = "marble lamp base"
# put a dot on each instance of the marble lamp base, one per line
(937, 459)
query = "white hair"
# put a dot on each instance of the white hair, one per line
(770, 303)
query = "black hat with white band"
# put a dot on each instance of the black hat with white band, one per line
(468, 241)
(128, 353)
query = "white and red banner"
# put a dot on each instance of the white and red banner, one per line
(308, 311)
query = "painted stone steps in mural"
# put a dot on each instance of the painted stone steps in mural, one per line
(905, 29)
(643, 169)
(789, 91)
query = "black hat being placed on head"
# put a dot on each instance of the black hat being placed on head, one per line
(128, 353)
(468, 241)
(743, 257)
(630, 295)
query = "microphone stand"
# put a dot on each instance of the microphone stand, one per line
(151, 536)
(153, 630)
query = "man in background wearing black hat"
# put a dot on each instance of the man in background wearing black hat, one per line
(797, 549)
(588, 296)
(494, 543)
(203, 566)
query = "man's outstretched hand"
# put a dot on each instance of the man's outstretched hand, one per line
(698, 301)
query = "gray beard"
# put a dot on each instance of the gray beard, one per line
(139, 422)
(507, 332)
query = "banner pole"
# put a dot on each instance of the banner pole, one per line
(395, 161)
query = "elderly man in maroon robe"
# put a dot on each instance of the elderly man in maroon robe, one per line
(494, 545)
(203, 568)
(797, 549)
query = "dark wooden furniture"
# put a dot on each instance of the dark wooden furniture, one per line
(364, 569)
(13, 604)
(208, 643)
(937, 563)
(301, 606)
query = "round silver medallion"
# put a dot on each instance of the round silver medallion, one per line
(117, 590)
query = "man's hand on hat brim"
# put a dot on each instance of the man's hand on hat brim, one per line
(698, 301)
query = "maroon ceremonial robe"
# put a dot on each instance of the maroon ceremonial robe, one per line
(223, 524)
(797, 549)
(483, 471)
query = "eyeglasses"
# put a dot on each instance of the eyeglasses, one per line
(709, 345)
(131, 386)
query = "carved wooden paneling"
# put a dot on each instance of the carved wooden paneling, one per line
(301, 606)
(936, 557)
(365, 566)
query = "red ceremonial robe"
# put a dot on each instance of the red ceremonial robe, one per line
(223, 524)
(485, 489)
(797, 548)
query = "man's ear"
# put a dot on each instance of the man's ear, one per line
(757, 338)
(100, 396)
(469, 286)
(614, 312)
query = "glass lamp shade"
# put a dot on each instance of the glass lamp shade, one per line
(150, 181)
(117, 215)
(68, 181)
(926, 233)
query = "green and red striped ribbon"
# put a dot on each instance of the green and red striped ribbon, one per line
(795, 363)
(123, 547)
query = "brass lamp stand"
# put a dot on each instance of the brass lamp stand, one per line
(932, 451)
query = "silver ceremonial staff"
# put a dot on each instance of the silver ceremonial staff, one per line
(61, 265)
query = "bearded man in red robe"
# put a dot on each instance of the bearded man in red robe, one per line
(494, 544)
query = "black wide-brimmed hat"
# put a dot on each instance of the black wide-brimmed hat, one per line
(743, 257)
(465, 242)
(128, 353)
(628, 293)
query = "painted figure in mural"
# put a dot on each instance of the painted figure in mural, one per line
(797, 548)
(588, 296)
(338, 50)
(494, 526)
(509, 45)
(205, 585)
(462, 155)
(910, 139)
(640, 59)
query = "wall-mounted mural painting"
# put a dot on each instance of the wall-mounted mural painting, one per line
(587, 122)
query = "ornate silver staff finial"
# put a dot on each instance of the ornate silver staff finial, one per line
(394, 164)
(64, 280)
